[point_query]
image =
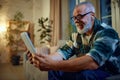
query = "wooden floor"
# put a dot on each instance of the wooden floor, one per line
(11, 72)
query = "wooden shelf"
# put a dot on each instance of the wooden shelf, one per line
(15, 43)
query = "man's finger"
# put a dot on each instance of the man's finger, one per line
(40, 55)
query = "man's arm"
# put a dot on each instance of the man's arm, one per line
(56, 62)
(77, 64)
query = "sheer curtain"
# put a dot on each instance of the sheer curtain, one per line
(55, 13)
(115, 5)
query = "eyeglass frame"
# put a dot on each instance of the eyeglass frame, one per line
(80, 16)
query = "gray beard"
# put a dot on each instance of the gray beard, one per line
(86, 28)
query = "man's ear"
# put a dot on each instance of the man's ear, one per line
(92, 18)
(93, 14)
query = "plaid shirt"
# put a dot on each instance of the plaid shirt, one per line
(101, 47)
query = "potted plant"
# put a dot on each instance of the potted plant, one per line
(45, 30)
(13, 37)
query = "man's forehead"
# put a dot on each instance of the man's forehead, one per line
(80, 9)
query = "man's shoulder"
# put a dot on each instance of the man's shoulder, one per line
(106, 30)
(104, 25)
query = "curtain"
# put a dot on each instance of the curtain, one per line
(115, 5)
(55, 12)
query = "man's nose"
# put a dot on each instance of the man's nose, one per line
(76, 21)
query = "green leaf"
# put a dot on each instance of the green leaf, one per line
(45, 29)
(39, 30)
(48, 30)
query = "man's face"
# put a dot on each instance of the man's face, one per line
(82, 19)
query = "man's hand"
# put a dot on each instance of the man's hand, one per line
(44, 62)
(41, 50)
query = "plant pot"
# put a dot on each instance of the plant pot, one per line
(15, 60)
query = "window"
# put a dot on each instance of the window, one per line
(105, 11)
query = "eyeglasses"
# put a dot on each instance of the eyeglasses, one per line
(80, 16)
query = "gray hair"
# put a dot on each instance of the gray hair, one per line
(89, 6)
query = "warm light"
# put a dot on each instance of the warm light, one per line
(3, 24)
(2, 29)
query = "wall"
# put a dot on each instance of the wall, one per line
(41, 8)
(10, 7)
(7, 10)
(64, 19)
(115, 6)
(31, 9)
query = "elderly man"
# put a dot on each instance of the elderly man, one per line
(94, 44)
